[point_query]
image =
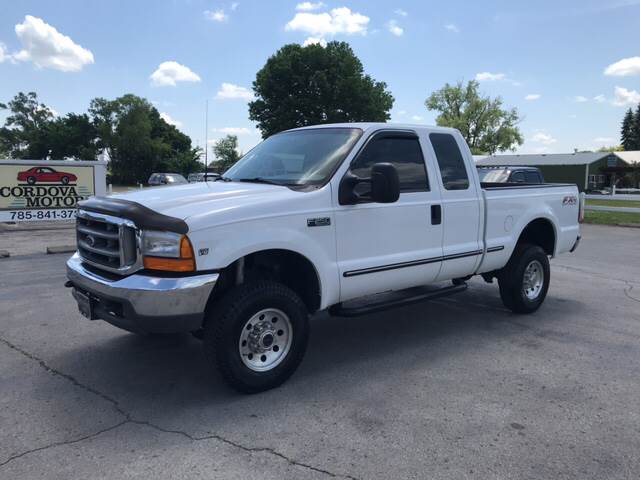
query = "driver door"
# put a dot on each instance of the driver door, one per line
(385, 246)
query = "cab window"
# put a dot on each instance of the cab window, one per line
(450, 161)
(400, 149)
(517, 177)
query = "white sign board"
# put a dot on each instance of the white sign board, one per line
(47, 190)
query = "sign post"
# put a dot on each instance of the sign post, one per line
(47, 190)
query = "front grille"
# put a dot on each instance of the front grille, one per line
(106, 242)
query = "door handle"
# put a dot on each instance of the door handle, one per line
(436, 214)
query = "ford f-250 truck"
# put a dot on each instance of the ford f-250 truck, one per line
(352, 218)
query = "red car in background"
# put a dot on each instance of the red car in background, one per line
(45, 175)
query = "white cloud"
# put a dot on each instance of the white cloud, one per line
(606, 140)
(4, 55)
(490, 77)
(309, 6)
(580, 99)
(394, 28)
(416, 118)
(624, 97)
(544, 138)
(624, 68)
(338, 20)
(400, 12)
(169, 120)
(233, 131)
(452, 27)
(168, 74)
(313, 41)
(234, 6)
(43, 45)
(216, 15)
(402, 112)
(533, 96)
(599, 98)
(230, 91)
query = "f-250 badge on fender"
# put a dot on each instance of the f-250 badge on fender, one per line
(571, 200)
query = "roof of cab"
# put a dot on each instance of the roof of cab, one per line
(366, 126)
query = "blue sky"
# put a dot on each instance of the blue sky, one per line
(570, 67)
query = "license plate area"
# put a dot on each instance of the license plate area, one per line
(85, 304)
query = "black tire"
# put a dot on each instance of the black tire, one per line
(31, 180)
(511, 279)
(224, 325)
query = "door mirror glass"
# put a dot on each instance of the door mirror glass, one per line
(383, 186)
(385, 183)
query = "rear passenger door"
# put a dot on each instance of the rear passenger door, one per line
(389, 246)
(461, 240)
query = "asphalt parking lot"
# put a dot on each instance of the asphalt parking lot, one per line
(455, 388)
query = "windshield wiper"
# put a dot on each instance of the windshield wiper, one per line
(261, 180)
(222, 179)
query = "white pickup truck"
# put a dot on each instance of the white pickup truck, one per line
(349, 218)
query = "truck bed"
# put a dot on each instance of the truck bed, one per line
(508, 207)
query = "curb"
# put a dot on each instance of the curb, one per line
(61, 249)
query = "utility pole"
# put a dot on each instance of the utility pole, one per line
(206, 138)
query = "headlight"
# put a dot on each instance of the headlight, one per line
(161, 244)
(167, 251)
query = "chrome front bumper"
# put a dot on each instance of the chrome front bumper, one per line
(142, 302)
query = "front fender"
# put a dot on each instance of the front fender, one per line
(218, 247)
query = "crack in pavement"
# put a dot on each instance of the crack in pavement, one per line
(67, 442)
(591, 273)
(129, 419)
(627, 292)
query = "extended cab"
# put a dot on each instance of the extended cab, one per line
(348, 218)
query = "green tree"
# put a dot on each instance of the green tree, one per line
(628, 131)
(72, 136)
(24, 134)
(186, 162)
(136, 139)
(636, 128)
(226, 153)
(484, 123)
(310, 85)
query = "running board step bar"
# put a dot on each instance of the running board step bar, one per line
(386, 301)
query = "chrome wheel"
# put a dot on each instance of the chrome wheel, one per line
(265, 340)
(533, 280)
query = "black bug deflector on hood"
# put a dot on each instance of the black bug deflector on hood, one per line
(142, 216)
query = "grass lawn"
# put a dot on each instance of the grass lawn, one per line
(611, 218)
(615, 203)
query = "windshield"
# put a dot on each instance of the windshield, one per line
(491, 175)
(301, 157)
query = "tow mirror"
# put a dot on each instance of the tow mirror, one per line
(384, 186)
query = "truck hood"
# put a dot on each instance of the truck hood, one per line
(209, 198)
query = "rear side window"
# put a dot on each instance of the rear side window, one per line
(517, 177)
(403, 152)
(450, 161)
(532, 177)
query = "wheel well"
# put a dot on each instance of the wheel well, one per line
(539, 232)
(285, 266)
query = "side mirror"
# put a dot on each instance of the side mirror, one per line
(384, 182)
